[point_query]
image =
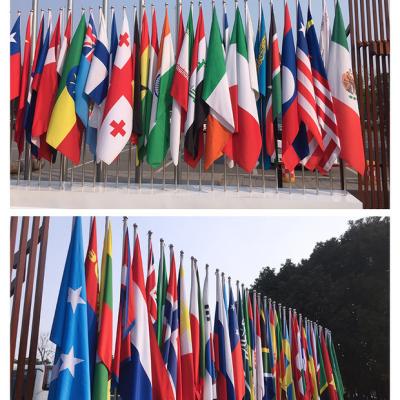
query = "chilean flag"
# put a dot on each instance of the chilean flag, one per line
(15, 59)
(222, 348)
(290, 118)
(236, 348)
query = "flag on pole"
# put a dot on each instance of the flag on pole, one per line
(244, 145)
(158, 139)
(122, 362)
(236, 349)
(81, 98)
(322, 159)
(116, 126)
(310, 364)
(70, 375)
(309, 385)
(15, 59)
(66, 41)
(299, 361)
(209, 389)
(335, 368)
(328, 368)
(226, 29)
(162, 283)
(268, 354)
(323, 382)
(290, 119)
(280, 365)
(102, 371)
(65, 129)
(92, 293)
(151, 289)
(341, 79)
(180, 93)
(170, 345)
(139, 376)
(259, 363)
(220, 122)
(114, 39)
(19, 123)
(137, 92)
(185, 333)
(222, 349)
(250, 49)
(197, 108)
(325, 34)
(251, 339)
(97, 84)
(287, 377)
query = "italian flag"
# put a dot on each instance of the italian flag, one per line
(101, 384)
(158, 140)
(341, 80)
(220, 123)
(245, 144)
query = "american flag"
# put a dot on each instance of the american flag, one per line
(322, 159)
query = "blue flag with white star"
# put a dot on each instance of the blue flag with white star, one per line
(70, 377)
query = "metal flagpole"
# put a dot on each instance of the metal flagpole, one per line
(149, 233)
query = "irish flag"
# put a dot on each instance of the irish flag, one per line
(101, 383)
(220, 123)
(158, 140)
(245, 144)
(343, 88)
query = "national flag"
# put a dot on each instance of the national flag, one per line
(139, 377)
(122, 362)
(225, 294)
(97, 84)
(299, 361)
(81, 98)
(222, 349)
(259, 362)
(236, 349)
(15, 59)
(250, 51)
(144, 81)
(307, 107)
(325, 34)
(102, 371)
(335, 368)
(170, 343)
(158, 139)
(65, 129)
(251, 339)
(92, 293)
(151, 288)
(309, 385)
(185, 334)
(310, 363)
(19, 123)
(290, 119)
(244, 145)
(325, 159)
(269, 363)
(226, 35)
(323, 382)
(180, 92)
(328, 368)
(137, 92)
(46, 95)
(162, 283)
(260, 49)
(280, 366)
(66, 41)
(274, 89)
(70, 375)
(197, 110)
(116, 126)
(153, 61)
(209, 388)
(341, 79)
(287, 377)
(313, 340)
(246, 309)
(114, 39)
(220, 122)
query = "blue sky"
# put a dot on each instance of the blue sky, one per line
(25, 6)
(239, 246)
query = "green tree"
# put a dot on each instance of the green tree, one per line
(344, 285)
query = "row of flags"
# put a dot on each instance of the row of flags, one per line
(139, 90)
(167, 344)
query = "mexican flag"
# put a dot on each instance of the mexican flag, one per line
(343, 88)
(158, 140)
(220, 123)
(101, 384)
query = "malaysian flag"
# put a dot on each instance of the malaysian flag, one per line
(323, 160)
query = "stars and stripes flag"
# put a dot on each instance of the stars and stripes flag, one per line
(322, 159)
(116, 127)
(15, 59)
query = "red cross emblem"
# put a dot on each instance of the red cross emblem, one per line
(118, 128)
(123, 39)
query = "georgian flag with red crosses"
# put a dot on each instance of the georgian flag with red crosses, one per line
(116, 127)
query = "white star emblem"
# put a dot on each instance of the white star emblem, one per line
(69, 361)
(12, 37)
(74, 297)
(302, 29)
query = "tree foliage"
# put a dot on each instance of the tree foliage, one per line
(344, 285)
